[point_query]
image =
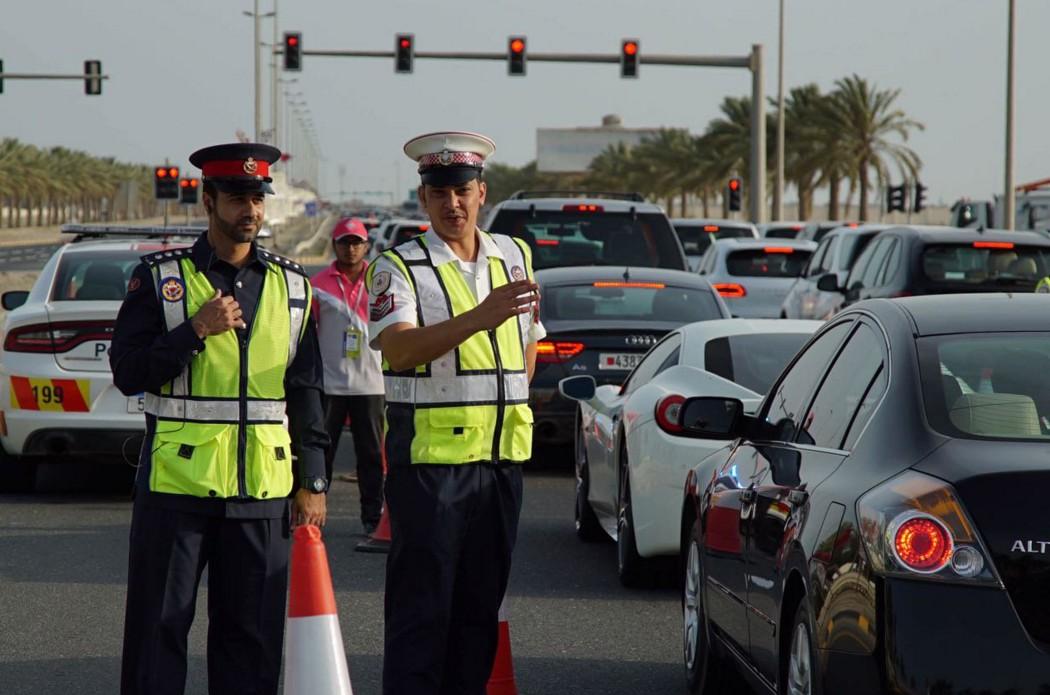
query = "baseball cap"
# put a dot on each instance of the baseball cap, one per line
(349, 226)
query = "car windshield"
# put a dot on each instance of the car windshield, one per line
(628, 301)
(754, 360)
(770, 262)
(783, 232)
(95, 275)
(988, 385)
(405, 232)
(697, 237)
(985, 262)
(560, 238)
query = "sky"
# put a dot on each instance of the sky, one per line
(181, 75)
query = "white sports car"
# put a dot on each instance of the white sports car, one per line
(629, 468)
(57, 397)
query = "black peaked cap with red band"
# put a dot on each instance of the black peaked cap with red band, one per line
(239, 167)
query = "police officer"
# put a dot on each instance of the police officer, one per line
(453, 312)
(219, 337)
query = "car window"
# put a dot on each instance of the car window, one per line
(874, 264)
(652, 364)
(889, 268)
(628, 301)
(706, 260)
(787, 232)
(771, 261)
(671, 361)
(565, 238)
(995, 263)
(96, 275)
(696, 238)
(753, 360)
(786, 403)
(816, 261)
(828, 260)
(843, 390)
(851, 247)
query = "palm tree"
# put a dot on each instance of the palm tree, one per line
(866, 118)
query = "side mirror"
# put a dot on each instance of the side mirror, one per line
(829, 283)
(711, 417)
(14, 299)
(578, 388)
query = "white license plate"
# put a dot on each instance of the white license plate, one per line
(136, 404)
(619, 360)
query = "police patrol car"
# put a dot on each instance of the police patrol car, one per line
(57, 398)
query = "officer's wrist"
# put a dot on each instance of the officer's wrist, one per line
(199, 328)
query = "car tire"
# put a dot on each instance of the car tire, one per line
(588, 529)
(704, 670)
(16, 474)
(633, 569)
(798, 664)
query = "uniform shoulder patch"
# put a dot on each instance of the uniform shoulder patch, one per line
(380, 282)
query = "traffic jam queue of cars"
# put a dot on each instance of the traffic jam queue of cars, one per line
(831, 436)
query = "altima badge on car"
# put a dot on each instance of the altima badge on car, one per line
(1030, 547)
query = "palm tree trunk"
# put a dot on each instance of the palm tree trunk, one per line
(682, 202)
(863, 204)
(703, 197)
(833, 197)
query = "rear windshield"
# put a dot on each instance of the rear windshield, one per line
(408, 231)
(987, 262)
(988, 386)
(569, 238)
(754, 361)
(101, 275)
(770, 262)
(782, 232)
(696, 238)
(628, 302)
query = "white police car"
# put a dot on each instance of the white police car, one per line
(57, 398)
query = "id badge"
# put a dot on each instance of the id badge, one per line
(352, 342)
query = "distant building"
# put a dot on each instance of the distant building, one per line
(571, 150)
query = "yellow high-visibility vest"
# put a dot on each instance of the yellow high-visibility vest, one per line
(220, 424)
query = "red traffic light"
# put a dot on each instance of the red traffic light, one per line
(173, 172)
(193, 183)
(406, 43)
(517, 45)
(630, 48)
(184, 183)
(161, 173)
(293, 40)
(734, 184)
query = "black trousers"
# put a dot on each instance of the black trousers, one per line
(366, 425)
(247, 562)
(453, 531)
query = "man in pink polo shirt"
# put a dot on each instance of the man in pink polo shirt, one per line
(353, 372)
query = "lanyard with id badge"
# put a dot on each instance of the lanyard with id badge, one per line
(353, 337)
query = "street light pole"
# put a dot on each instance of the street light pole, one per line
(1009, 204)
(778, 189)
(758, 137)
(258, 75)
(274, 140)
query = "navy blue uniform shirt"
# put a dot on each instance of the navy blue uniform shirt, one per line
(145, 355)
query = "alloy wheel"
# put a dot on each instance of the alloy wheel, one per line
(691, 607)
(799, 667)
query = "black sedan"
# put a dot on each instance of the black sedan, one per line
(880, 525)
(601, 321)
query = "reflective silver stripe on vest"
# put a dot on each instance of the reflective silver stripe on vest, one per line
(174, 316)
(472, 388)
(514, 257)
(296, 285)
(217, 411)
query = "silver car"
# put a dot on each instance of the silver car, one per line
(696, 234)
(754, 275)
(836, 254)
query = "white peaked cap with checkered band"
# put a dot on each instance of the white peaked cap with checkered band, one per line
(451, 157)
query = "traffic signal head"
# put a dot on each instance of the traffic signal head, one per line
(92, 77)
(516, 55)
(895, 198)
(188, 191)
(166, 182)
(404, 52)
(293, 50)
(919, 201)
(733, 190)
(629, 58)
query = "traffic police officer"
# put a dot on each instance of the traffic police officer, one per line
(454, 313)
(220, 339)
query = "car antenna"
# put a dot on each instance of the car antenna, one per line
(627, 274)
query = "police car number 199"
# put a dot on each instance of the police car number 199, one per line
(619, 360)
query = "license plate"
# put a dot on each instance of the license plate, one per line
(619, 360)
(136, 404)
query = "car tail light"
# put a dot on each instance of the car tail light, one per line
(730, 289)
(710, 227)
(778, 249)
(547, 242)
(669, 412)
(993, 244)
(583, 207)
(551, 351)
(914, 526)
(56, 337)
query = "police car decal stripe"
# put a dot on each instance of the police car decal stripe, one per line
(55, 395)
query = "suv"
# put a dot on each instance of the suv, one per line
(618, 229)
(57, 397)
(905, 261)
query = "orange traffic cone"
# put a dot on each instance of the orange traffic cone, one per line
(379, 541)
(501, 682)
(315, 661)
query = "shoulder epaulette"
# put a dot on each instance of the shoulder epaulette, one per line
(281, 261)
(162, 256)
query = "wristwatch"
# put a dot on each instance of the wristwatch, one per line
(315, 485)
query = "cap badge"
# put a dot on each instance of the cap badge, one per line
(445, 158)
(250, 166)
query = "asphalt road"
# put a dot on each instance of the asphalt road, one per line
(574, 629)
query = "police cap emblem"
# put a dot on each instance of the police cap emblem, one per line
(250, 166)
